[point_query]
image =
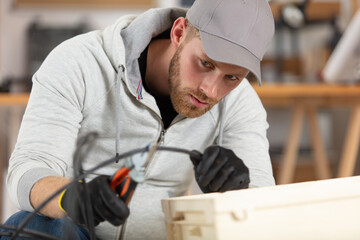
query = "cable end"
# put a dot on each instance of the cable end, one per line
(195, 157)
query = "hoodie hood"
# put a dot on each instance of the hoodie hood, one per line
(126, 39)
(124, 42)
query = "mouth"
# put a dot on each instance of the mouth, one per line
(198, 103)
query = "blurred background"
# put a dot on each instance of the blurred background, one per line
(307, 34)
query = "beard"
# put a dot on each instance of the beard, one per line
(180, 97)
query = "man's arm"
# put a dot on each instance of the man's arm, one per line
(49, 129)
(243, 159)
(245, 133)
(100, 195)
(42, 190)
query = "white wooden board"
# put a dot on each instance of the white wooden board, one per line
(326, 209)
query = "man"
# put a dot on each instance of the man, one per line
(155, 77)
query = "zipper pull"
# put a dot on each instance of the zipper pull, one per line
(162, 136)
(122, 72)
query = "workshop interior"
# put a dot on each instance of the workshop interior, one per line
(310, 90)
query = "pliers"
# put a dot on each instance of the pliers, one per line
(125, 180)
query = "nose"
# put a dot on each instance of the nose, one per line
(209, 86)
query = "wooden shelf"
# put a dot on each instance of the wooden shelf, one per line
(86, 3)
(13, 99)
(316, 94)
(315, 10)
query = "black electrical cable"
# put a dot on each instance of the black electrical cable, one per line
(80, 143)
(87, 209)
(82, 176)
(28, 218)
(21, 228)
(174, 149)
(79, 155)
(74, 181)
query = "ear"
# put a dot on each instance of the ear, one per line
(178, 31)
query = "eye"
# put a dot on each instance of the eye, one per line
(232, 77)
(206, 64)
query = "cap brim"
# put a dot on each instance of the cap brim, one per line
(222, 50)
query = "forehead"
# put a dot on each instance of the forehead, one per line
(198, 49)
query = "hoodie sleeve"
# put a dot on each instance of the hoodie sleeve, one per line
(245, 132)
(50, 125)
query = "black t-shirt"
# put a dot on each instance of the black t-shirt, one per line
(167, 110)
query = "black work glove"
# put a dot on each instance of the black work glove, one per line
(105, 204)
(219, 170)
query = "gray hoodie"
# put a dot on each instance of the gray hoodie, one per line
(75, 91)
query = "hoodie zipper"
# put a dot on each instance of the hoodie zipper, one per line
(162, 136)
(160, 141)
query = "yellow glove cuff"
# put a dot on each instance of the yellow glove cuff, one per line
(60, 199)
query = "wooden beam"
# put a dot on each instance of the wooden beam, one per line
(317, 11)
(355, 5)
(86, 3)
(12, 99)
(351, 145)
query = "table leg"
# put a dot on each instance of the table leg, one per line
(351, 146)
(287, 166)
(320, 158)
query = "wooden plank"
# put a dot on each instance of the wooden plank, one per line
(7, 99)
(87, 3)
(320, 158)
(351, 145)
(288, 164)
(292, 64)
(325, 209)
(320, 95)
(315, 10)
(318, 11)
(307, 90)
(276, 9)
(355, 5)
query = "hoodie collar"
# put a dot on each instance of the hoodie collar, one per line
(137, 36)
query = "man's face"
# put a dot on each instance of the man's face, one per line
(196, 82)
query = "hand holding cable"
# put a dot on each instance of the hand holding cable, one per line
(105, 204)
(219, 170)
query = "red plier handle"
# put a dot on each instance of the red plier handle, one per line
(122, 184)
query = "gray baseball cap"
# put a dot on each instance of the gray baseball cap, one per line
(237, 32)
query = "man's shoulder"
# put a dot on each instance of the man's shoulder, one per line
(243, 98)
(92, 39)
(242, 91)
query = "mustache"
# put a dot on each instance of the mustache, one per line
(201, 96)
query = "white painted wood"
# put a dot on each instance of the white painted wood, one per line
(324, 209)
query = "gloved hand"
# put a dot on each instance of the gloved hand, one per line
(219, 170)
(105, 203)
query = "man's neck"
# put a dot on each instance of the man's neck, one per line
(157, 69)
